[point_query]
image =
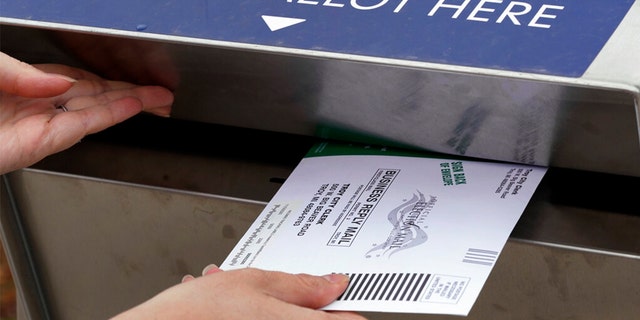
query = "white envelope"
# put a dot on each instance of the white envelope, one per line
(415, 234)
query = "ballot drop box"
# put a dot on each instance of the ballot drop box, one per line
(125, 213)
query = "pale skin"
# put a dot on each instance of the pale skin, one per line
(246, 294)
(33, 126)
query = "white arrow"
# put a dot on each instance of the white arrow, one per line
(276, 23)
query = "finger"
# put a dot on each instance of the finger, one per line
(71, 72)
(315, 292)
(24, 80)
(97, 85)
(346, 315)
(210, 269)
(155, 99)
(302, 289)
(292, 311)
(20, 108)
(102, 116)
(67, 128)
(40, 135)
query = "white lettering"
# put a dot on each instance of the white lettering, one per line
(516, 12)
(400, 6)
(480, 7)
(354, 3)
(329, 3)
(512, 15)
(541, 14)
(441, 4)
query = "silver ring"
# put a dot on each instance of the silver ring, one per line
(63, 107)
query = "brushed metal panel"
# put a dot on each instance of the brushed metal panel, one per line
(109, 245)
(579, 126)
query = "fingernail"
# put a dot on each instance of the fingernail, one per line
(186, 278)
(212, 268)
(61, 76)
(336, 278)
(161, 111)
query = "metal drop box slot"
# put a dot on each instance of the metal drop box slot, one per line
(125, 213)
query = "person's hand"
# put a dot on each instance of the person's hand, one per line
(246, 294)
(33, 123)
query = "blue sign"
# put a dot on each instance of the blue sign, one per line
(554, 37)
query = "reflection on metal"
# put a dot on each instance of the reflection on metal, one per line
(502, 118)
(108, 246)
(15, 242)
(131, 241)
(542, 282)
(141, 207)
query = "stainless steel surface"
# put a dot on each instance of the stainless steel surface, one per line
(101, 245)
(101, 248)
(541, 282)
(580, 125)
(570, 208)
(109, 222)
(29, 296)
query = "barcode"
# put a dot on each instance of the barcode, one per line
(480, 256)
(385, 286)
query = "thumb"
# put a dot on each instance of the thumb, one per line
(307, 290)
(25, 80)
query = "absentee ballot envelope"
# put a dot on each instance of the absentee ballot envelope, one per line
(414, 234)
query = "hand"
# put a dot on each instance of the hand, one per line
(246, 294)
(32, 124)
